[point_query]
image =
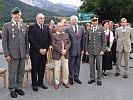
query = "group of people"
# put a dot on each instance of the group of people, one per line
(68, 42)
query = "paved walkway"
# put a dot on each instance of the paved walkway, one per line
(113, 88)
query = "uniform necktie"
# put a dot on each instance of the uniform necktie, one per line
(76, 32)
(17, 25)
(94, 29)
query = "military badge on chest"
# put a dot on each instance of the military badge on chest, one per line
(13, 30)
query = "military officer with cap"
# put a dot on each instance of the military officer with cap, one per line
(15, 46)
(95, 47)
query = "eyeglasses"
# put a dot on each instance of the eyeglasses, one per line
(41, 18)
(94, 20)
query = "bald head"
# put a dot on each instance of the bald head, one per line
(40, 18)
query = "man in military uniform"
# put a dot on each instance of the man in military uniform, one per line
(15, 46)
(95, 47)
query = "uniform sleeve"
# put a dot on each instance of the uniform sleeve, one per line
(86, 42)
(5, 37)
(26, 41)
(103, 41)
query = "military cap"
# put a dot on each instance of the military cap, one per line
(94, 17)
(15, 10)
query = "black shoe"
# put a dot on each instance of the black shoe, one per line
(13, 94)
(43, 86)
(91, 81)
(71, 81)
(78, 81)
(19, 91)
(99, 83)
(35, 88)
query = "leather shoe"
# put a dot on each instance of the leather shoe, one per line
(56, 86)
(13, 94)
(78, 81)
(35, 88)
(91, 81)
(117, 74)
(99, 83)
(66, 85)
(125, 76)
(43, 86)
(19, 91)
(71, 81)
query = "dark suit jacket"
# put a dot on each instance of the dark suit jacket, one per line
(38, 39)
(76, 44)
(57, 45)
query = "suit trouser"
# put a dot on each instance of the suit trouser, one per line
(58, 64)
(98, 59)
(38, 67)
(74, 67)
(119, 59)
(16, 69)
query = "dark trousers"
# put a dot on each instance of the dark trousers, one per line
(74, 67)
(114, 52)
(38, 67)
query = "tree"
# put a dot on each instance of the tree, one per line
(109, 9)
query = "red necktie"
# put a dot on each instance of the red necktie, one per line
(76, 32)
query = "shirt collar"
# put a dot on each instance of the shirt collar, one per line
(59, 32)
(15, 22)
(122, 27)
(40, 25)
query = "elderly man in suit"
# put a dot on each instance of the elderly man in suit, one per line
(124, 37)
(95, 47)
(15, 46)
(39, 39)
(61, 44)
(76, 36)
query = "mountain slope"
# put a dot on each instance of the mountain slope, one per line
(59, 9)
(28, 12)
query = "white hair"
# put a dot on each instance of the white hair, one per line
(73, 17)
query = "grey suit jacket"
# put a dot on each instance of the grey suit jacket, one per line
(124, 39)
(15, 40)
(76, 44)
(95, 41)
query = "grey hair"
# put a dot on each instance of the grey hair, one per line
(73, 16)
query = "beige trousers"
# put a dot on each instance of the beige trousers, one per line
(126, 61)
(57, 70)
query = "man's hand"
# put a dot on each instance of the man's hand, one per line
(101, 53)
(82, 52)
(8, 59)
(27, 56)
(63, 52)
(87, 53)
(43, 51)
(109, 49)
